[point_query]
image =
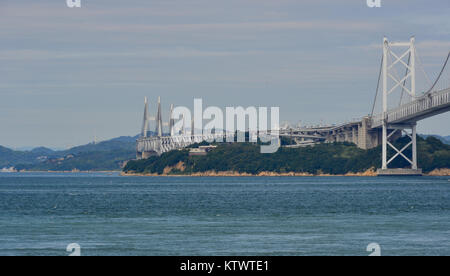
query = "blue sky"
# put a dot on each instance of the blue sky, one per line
(69, 74)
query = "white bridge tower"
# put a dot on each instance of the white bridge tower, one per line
(391, 83)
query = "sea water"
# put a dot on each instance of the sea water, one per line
(107, 214)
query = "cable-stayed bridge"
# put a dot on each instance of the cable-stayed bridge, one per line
(379, 128)
(158, 144)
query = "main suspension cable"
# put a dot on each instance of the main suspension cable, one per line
(440, 74)
(404, 82)
(378, 85)
(419, 59)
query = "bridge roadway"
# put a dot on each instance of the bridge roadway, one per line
(157, 145)
(426, 106)
(366, 133)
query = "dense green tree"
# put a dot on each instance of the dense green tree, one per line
(336, 158)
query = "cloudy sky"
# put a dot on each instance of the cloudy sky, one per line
(69, 74)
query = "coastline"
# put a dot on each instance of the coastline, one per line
(73, 171)
(368, 173)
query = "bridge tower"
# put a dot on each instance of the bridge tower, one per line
(391, 82)
(159, 123)
(171, 121)
(146, 120)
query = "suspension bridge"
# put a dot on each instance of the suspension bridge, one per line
(379, 128)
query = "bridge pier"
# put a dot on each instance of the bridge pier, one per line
(368, 138)
(145, 154)
(399, 172)
(393, 132)
(359, 133)
(347, 136)
(354, 136)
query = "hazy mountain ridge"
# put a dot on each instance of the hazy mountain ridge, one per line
(42, 150)
(9, 157)
(117, 148)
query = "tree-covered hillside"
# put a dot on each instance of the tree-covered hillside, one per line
(86, 161)
(9, 157)
(337, 158)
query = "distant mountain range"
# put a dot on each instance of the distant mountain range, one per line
(106, 155)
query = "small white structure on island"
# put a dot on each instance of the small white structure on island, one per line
(8, 170)
(201, 150)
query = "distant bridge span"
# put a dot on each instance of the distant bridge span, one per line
(369, 132)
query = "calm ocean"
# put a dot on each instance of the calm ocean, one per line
(41, 213)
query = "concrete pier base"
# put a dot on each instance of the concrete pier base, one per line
(399, 172)
(145, 155)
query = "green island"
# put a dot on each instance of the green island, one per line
(323, 159)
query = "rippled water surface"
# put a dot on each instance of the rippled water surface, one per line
(41, 213)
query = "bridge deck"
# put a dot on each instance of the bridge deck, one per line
(357, 132)
(426, 106)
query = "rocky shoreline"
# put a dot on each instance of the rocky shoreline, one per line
(440, 172)
(167, 173)
(371, 172)
(72, 171)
